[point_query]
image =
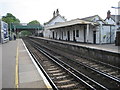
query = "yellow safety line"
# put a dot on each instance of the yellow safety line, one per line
(16, 71)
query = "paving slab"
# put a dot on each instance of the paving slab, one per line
(29, 76)
(8, 64)
(33, 85)
(0, 66)
(27, 67)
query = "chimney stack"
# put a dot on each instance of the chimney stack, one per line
(108, 14)
(54, 14)
(57, 12)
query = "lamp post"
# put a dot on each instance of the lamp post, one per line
(116, 8)
(116, 37)
(38, 31)
(10, 30)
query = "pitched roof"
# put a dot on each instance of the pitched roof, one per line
(70, 23)
(91, 18)
(54, 18)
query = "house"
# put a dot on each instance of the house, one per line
(91, 29)
(113, 19)
(57, 18)
(106, 30)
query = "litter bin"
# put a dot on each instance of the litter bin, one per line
(117, 43)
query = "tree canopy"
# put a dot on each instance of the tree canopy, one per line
(34, 22)
(25, 33)
(9, 18)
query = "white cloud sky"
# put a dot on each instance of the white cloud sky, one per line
(42, 10)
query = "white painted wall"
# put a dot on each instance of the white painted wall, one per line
(46, 32)
(81, 34)
(110, 21)
(108, 31)
(56, 20)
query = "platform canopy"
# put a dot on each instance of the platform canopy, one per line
(72, 22)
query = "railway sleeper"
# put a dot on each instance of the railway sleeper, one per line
(58, 74)
(62, 77)
(65, 81)
(72, 85)
(55, 71)
(106, 70)
(111, 73)
(51, 69)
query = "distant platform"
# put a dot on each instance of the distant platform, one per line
(105, 47)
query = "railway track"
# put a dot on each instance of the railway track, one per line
(59, 73)
(98, 73)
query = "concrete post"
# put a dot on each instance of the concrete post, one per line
(100, 31)
(87, 33)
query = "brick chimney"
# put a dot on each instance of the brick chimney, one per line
(57, 12)
(54, 14)
(108, 14)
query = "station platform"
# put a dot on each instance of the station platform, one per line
(19, 70)
(104, 47)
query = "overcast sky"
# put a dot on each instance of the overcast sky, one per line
(42, 10)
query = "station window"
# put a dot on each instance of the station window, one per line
(64, 33)
(56, 35)
(77, 33)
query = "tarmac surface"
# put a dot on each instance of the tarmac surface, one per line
(0, 66)
(19, 70)
(8, 64)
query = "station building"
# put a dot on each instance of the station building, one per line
(113, 19)
(57, 18)
(91, 29)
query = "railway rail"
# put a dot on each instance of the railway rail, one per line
(96, 78)
(60, 73)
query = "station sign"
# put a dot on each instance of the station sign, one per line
(5, 29)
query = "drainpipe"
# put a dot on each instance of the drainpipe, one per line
(110, 34)
(100, 34)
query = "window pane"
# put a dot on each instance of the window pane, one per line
(77, 33)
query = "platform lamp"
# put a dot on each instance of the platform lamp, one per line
(38, 31)
(116, 8)
(10, 29)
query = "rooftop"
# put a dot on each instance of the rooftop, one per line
(71, 22)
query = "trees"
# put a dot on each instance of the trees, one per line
(25, 33)
(9, 18)
(34, 22)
